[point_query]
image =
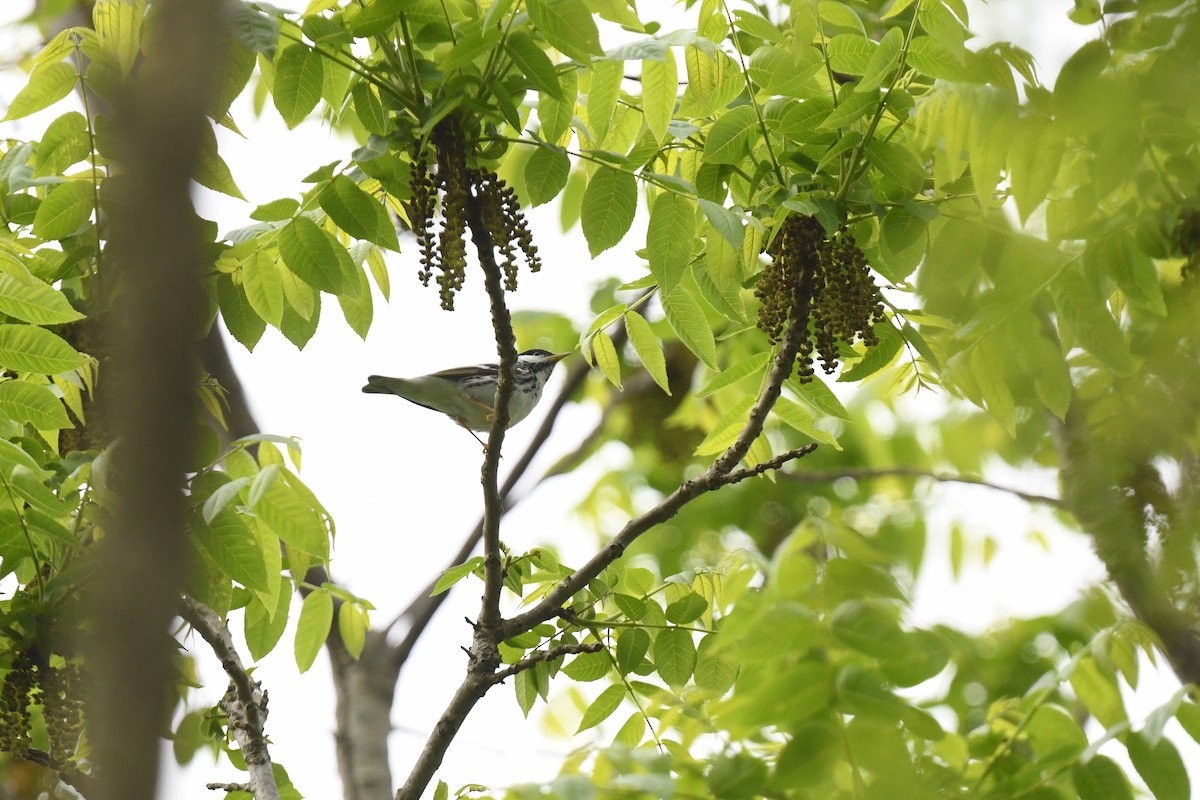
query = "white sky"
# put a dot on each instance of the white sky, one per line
(402, 484)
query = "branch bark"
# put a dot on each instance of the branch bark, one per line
(150, 396)
(1091, 492)
(245, 704)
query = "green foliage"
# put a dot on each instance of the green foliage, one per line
(758, 644)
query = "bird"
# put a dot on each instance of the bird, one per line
(467, 394)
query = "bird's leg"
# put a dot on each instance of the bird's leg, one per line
(466, 428)
(491, 411)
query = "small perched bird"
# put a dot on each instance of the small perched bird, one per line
(466, 394)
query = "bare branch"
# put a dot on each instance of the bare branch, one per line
(229, 787)
(915, 472)
(546, 655)
(245, 703)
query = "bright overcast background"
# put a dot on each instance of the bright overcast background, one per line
(403, 484)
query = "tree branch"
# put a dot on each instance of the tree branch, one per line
(714, 477)
(506, 347)
(1092, 494)
(915, 472)
(151, 288)
(79, 781)
(245, 703)
(546, 655)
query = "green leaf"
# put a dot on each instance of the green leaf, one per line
(64, 143)
(568, 25)
(1101, 779)
(660, 87)
(606, 357)
(1134, 271)
(353, 623)
(118, 24)
(609, 203)
(292, 519)
(316, 618)
(686, 318)
(738, 775)
(800, 419)
(33, 403)
(357, 305)
(263, 287)
(586, 667)
(526, 688)
(299, 76)
(357, 213)
(557, 116)
(264, 626)
(988, 371)
(456, 574)
(938, 21)
(602, 96)
(1085, 315)
(256, 31)
(1033, 161)
(33, 301)
(877, 357)
(240, 318)
(751, 365)
(648, 348)
(897, 163)
(728, 140)
(669, 239)
(632, 646)
(883, 60)
(724, 221)
(47, 85)
(220, 499)
(212, 172)
(674, 656)
(851, 53)
(632, 607)
(369, 109)
(64, 211)
(546, 174)
(853, 106)
(235, 549)
(602, 707)
(534, 64)
(1160, 766)
(714, 80)
(714, 672)
(1098, 691)
(819, 397)
(308, 251)
(686, 609)
(27, 348)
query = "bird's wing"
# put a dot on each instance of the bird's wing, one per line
(462, 372)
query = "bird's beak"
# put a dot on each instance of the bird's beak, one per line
(559, 356)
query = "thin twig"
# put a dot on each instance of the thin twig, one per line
(245, 703)
(546, 655)
(915, 472)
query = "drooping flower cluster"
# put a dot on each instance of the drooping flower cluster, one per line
(832, 274)
(445, 194)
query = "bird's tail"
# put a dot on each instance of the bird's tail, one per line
(381, 384)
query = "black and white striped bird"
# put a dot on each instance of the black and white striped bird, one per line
(467, 394)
